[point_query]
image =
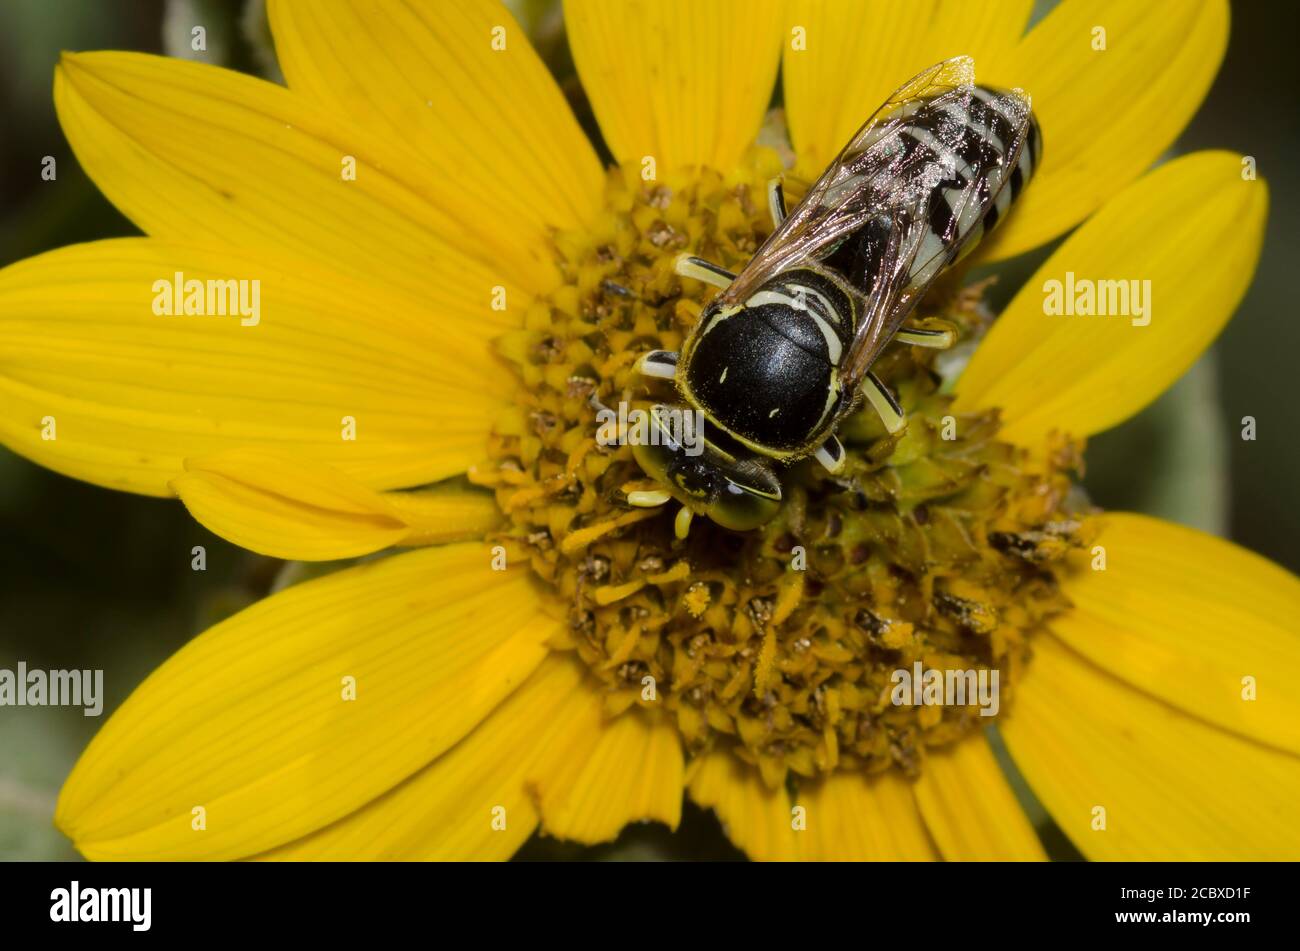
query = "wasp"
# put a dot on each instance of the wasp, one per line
(784, 352)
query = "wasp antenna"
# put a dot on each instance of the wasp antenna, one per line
(701, 270)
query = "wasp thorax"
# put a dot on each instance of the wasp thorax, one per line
(828, 637)
(766, 370)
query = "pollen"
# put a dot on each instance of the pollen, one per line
(931, 552)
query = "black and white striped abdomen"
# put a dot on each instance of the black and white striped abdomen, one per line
(982, 178)
(1022, 167)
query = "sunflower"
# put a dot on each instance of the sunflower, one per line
(448, 278)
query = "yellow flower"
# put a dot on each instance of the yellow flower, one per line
(425, 705)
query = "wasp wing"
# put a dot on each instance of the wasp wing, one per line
(872, 175)
(935, 227)
(906, 196)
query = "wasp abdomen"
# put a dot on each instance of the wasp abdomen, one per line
(956, 226)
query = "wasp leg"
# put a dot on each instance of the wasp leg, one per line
(776, 201)
(935, 339)
(701, 270)
(883, 402)
(831, 455)
(648, 499)
(682, 524)
(661, 364)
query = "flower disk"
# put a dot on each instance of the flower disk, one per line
(785, 644)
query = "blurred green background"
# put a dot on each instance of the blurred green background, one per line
(91, 578)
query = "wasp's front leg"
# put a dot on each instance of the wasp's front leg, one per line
(698, 269)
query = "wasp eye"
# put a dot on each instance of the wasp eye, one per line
(741, 509)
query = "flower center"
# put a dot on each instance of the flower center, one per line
(883, 611)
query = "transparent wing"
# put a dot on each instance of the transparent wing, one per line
(932, 230)
(874, 174)
(903, 231)
(906, 202)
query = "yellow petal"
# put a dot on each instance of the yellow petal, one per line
(683, 82)
(98, 386)
(853, 818)
(251, 723)
(857, 52)
(1187, 617)
(969, 808)
(491, 123)
(629, 771)
(187, 150)
(756, 819)
(473, 803)
(1106, 114)
(444, 513)
(286, 508)
(1193, 229)
(1172, 788)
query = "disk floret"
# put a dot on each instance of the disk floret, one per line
(933, 550)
